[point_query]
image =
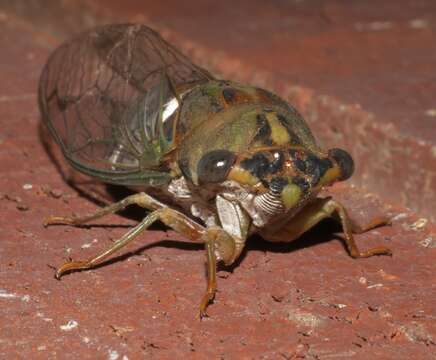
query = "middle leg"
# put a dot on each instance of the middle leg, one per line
(141, 199)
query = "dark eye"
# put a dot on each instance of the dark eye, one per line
(214, 166)
(344, 161)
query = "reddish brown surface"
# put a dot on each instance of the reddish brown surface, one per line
(377, 56)
(307, 299)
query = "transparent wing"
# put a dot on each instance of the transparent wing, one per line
(110, 98)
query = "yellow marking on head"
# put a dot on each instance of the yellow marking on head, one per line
(279, 134)
(291, 194)
(242, 176)
(330, 176)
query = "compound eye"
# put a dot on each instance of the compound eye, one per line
(344, 161)
(214, 166)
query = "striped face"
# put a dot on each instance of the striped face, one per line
(273, 181)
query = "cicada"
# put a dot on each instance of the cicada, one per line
(215, 160)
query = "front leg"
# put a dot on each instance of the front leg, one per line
(220, 245)
(311, 215)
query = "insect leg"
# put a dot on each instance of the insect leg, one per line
(334, 207)
(375, 222)
(211, 278)
(141, 199)
(219, 244)
(169, 217)
(123, 241)
(312, 214)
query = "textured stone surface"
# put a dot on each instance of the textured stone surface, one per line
(307, 299)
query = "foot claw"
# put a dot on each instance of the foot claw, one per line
(71, 266)
(47, 221)
(375, 251)
(58, 220)
(207, 298)
(203, 314)
(388, 252)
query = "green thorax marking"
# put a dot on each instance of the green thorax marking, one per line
(238, 118)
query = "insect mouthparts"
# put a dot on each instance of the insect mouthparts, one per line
(270, 203)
